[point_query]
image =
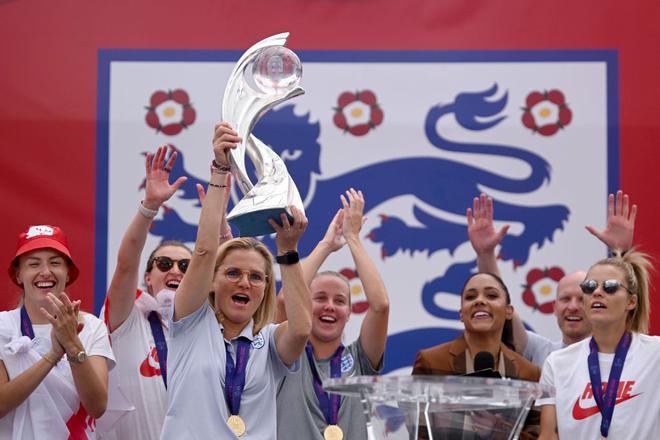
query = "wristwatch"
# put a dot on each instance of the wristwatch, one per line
(291, 257)
(78, 358)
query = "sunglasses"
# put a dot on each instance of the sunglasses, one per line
(164, 264)
(609, 286)
(256, 279)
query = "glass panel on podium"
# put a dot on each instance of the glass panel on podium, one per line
(441, 407)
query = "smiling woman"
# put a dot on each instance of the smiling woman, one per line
(486, 312)
(35, 337)
(608, 385)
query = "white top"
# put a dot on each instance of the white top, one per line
(539, 347)
(138, 370)
(196, 378)
(637, 411)
(55, 401)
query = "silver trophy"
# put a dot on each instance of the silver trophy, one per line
(266, 75)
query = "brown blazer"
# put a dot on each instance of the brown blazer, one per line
(449, 359)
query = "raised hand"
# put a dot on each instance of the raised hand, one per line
(481, 231)
(618, 234)
(224, 139)
(288, 235)
(353, 210)
(158, 188)
(333, 237)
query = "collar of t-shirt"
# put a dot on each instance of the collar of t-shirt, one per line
(245, 333)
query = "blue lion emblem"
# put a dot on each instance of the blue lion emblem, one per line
(444, 184)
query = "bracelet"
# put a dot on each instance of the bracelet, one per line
(148, 213)
(49, 360)
(217, 186)
(220, 169)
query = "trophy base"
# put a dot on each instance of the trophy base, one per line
(255, 223)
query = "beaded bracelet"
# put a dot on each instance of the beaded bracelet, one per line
(220, 169)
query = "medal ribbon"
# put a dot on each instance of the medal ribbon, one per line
(329, 403)
(161, 343)
(26, 324)
(606, 403)
(235, 374)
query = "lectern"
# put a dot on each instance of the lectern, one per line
(441, 407)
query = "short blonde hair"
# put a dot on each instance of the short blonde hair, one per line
(266, 310)
(635, 266)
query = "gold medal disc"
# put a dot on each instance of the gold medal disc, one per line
(333, 432)
(237, 425)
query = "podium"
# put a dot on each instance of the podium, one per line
(441, 407)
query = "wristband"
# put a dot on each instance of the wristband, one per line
(291, 257)
(148, 213)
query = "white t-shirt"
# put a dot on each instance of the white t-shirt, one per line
(637, 411)
(138, 370)
(539, 347)
(196, 380)
(33, 413)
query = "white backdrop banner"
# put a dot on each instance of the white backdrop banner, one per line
(421, 134)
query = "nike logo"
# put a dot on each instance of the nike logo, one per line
(150, 366)
(580, 413)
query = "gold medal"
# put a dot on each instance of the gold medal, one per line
(237, 425)
(333, 432)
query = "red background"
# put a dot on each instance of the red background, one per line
(48, 81)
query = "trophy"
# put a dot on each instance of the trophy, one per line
(266, 75)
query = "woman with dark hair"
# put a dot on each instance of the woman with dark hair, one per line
(226, 357)
(607, 385)
(42, 395)
(486, 312)
(136, 318)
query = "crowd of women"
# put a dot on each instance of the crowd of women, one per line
(207, 349)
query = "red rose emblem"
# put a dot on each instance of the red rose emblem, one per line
(545, 113)
(357, 113)
(358, 299)
(540, 288)
(170, 112)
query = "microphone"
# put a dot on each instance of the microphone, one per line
(484, 366)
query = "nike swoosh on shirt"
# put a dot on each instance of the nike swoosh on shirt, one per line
(580, 413)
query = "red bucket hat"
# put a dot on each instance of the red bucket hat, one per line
(43, 237)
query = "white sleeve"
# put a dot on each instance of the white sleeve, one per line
(537, 349)
(97, 342)
(548, 379)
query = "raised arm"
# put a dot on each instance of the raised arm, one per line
(618, 234)
(373, 332)
(332, 241)
(482, 234)
(121, 293)
(194, 287)
(292, 334)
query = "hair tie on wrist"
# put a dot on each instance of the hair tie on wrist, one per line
(148, 213)
(220, 169)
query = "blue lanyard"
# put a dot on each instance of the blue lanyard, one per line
(235, 374)
(26, 324)
(329, 403)
(606, 403)
(161, 343)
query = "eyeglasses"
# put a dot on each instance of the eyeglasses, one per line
(609, 286)
(166, 263)
(256, 279)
